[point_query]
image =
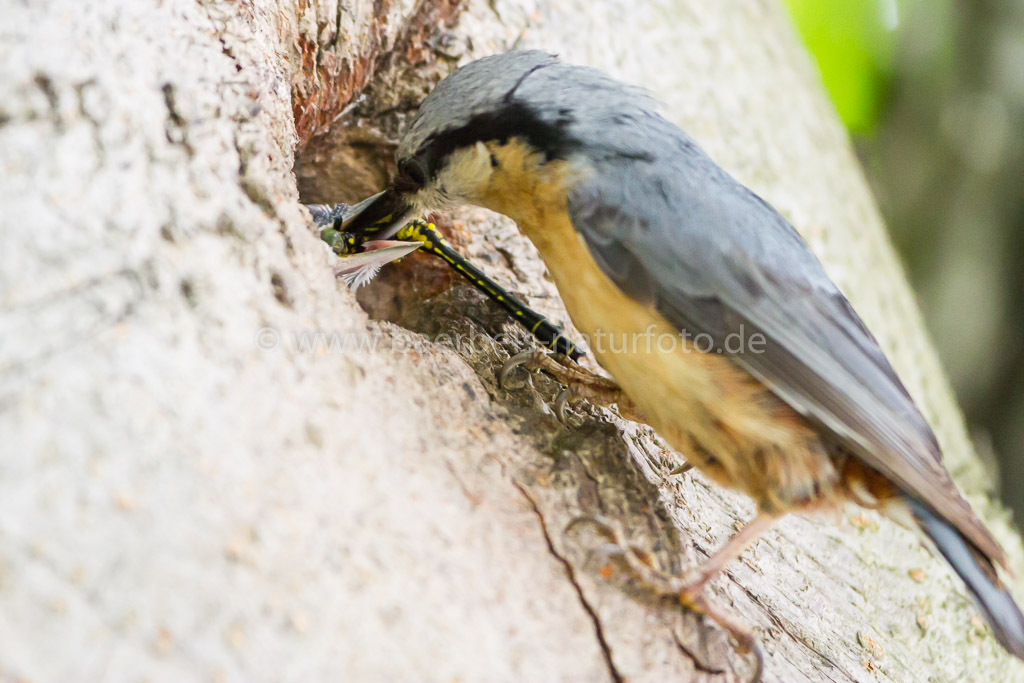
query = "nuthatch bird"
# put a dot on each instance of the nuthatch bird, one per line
(789, 398)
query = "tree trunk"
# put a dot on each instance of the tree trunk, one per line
(218, 464)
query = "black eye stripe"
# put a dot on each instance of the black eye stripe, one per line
(412, 175)
(516, 120)
(413, 170)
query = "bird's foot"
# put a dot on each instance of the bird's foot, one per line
(687, 589)
(579, 383)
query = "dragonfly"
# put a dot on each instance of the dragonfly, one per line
(365, 252)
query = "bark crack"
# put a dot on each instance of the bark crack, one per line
(570, 573)
(779, 624)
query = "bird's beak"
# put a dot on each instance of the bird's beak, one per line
(377, 217)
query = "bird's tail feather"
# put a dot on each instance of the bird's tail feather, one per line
(979, 575)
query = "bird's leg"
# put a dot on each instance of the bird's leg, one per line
(688, 588)
(580, 383)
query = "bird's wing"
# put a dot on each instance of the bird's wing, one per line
(674, 230)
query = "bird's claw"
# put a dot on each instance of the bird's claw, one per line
(687, 591)
(526, 358)
(753, 647)
(581, 384)
(562, 402)
(534, 360)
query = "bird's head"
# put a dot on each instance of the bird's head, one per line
(456, 145)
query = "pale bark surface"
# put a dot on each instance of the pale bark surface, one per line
(191, 488)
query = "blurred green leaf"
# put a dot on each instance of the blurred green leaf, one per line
(851, 40)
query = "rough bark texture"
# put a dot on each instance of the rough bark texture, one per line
(217, 464)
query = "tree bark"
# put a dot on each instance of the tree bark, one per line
(217, 464)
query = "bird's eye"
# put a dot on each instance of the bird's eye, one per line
(412, 173)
